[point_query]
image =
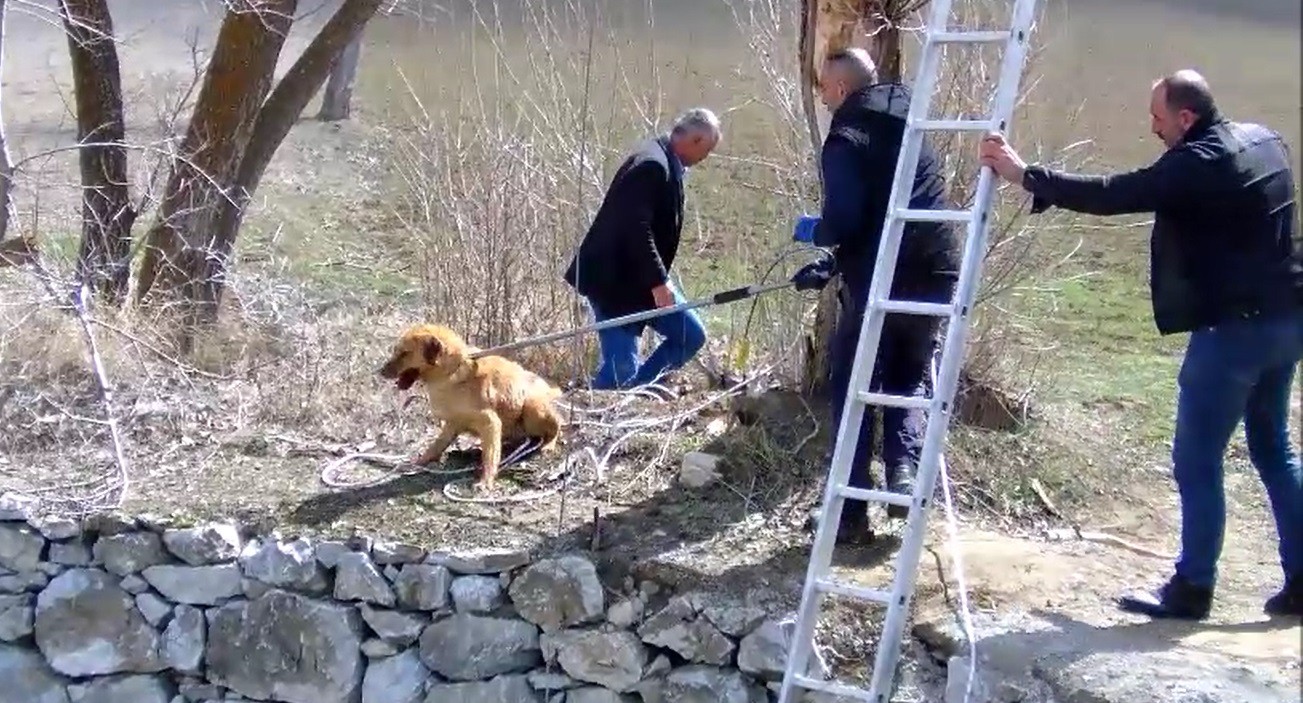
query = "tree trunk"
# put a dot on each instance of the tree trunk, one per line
(7, 211)
(337, 102)
(104, 262)
(277, 117)
(177, 265)
(830, 26)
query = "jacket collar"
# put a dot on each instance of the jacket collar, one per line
(1202, 127)
(676, 166)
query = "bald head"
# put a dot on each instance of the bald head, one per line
(845, 72)
(1180, 100)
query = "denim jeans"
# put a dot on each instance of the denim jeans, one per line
(901, 368)
(683, 336)
(1237, 371)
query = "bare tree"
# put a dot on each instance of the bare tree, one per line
(337, 101)
(238, 124)
(6, 163)
(107, 215)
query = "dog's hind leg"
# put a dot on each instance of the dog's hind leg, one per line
(540, 422)
(488, 426)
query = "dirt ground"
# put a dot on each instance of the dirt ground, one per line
(250, 436)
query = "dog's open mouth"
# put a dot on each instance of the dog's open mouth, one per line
(407, 378)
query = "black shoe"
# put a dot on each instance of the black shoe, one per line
(1289, 601)
(900, 479)
(1178, 599)
(854, 529)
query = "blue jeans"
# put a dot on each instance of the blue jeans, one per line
(683, 334)
(1238, 370)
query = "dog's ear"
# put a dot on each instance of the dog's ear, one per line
(431, 348)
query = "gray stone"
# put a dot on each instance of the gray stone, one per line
(625, 613)
(391, 573)
(396, 553)
(23, 582)
(287, 565)
(614, 660)
(593, 694)
(154, 608)
(481, 561)
(195, 585)
(707, 684)
(357, 579)
(86, 625)
(74, 552)
(559, 593)
(17, 506)
(207, 544)
(54, 527)
(469, 647)
(28, 678)
(253, 590)
(376, 648)
(394, 626)
(328, 552)
(135, 688)
(183, 640)
(17, 613)
(680, 628)
(397, 679)
(20, 547)
(109, 524)
(134, 584)
(551, 643)
(732, 619)
(129, 552)
(423, 587)
(547, 681)
(286, 647)
(503, 689)
(1173, 676)
(199, 690)
(50, 569)
(763, 653)
(476, 594)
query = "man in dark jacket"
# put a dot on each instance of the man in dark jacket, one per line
(858, 163)
(623, 263)
(1225, 267)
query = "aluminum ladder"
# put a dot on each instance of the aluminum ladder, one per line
(818, 581)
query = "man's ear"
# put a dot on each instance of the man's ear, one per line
(431, 349)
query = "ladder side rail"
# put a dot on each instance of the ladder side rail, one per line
(906, 572)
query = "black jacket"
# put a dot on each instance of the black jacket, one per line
(631, 243)
(1223, 245)
(859, 163)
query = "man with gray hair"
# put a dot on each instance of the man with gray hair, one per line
(1226, 268)
(858, 164)
(623, 263)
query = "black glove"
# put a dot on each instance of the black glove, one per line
(815, 276)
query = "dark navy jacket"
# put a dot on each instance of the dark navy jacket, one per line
(1224, 244)
(632, 241)
(859, 164)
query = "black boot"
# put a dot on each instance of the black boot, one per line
(1177, 599)
(900, 479)
(1289, 601)
(854, 528)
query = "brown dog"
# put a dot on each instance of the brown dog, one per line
(493, 398)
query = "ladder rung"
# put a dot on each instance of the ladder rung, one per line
(840, 690)
(915, 307)
(954, 125)
(836, 588)
(934, 215)
(888, 497)
(908, 402)
(981, 37)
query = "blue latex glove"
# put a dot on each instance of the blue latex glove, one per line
(816, 275)
(804, 229)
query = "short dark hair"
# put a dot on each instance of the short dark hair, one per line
(1187, 90)
(862, 69)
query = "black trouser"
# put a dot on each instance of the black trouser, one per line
(902, 368)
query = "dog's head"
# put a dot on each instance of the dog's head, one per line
(424, 351)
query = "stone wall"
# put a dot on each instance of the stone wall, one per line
(129, 610)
